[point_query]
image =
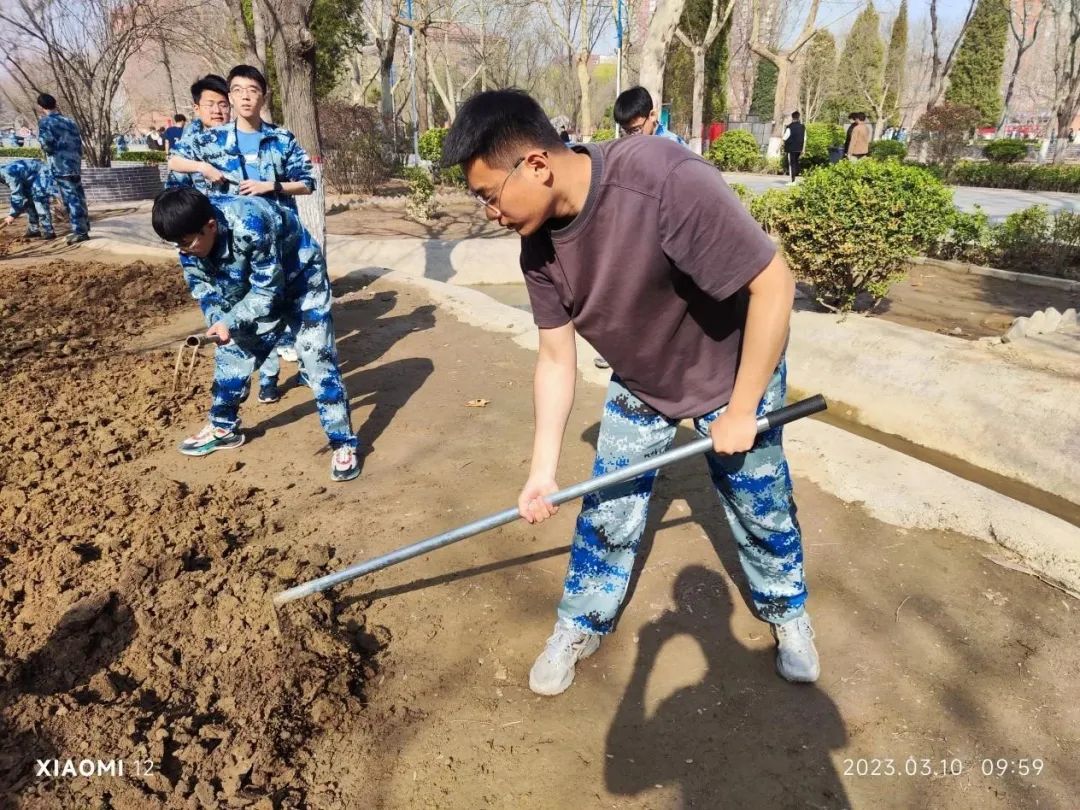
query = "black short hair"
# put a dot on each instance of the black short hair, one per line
(248, 72)
(861, 116)
(179, 117)
(496, 125)
(211, 82)
(633, 103)
(795, 116)
(180, 212)
(46, 102)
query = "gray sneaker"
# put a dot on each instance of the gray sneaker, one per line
(796, 656)
(553, 671)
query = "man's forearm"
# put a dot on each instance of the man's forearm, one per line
(295, 188)
(183, 165)
(768, 320)
(553, 397)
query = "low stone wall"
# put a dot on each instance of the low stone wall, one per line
(121, 182)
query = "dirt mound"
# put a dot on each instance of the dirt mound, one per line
(138, 628)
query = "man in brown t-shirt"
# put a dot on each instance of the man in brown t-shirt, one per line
(641, 247)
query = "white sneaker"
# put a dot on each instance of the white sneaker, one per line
(553, 671)
(796, 656)
(288, 354)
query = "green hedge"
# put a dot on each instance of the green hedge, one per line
(1026, 177)
(819, 137)
(147, 156)
(888, 150)
(1005, 150)
(21, 152)
(735, 151)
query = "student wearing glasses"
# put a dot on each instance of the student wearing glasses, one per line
(251, 157)
(210, 99)
(639, 245)
(635, 113)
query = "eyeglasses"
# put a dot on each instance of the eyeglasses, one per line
(245, 92)
(493, 202)
(634, 130)
(187, 248)
(216, 105)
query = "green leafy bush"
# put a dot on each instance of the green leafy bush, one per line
(849, 228)
(735, 151)
(1022, 176)
(1005, 150)
(430, 144)
(970, 238)
(603, 134)
(819, 137)
(21, 152)
(421, 204)
(767, 208)
(744, 194)
(888, 150)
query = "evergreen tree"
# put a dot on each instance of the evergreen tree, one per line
(975, 80)
(861, 70)
(894, 67)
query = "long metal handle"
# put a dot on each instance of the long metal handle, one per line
(773, 419)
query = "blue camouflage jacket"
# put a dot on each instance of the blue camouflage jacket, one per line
(62, 144)
(28, 180)
(280, 157)
(261, 251)
(663, 132)
(183, 149)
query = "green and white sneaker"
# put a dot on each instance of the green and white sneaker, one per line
(209, 439)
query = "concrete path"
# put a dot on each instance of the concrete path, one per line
(996, 202)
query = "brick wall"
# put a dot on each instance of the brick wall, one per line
(121, 182)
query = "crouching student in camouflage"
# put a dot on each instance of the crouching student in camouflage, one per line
(31, 186)
(255, 271)
(640, 246)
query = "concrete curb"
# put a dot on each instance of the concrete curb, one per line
(992, 272)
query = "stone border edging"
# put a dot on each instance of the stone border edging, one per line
(1009, 275)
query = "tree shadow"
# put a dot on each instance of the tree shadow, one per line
(738, 737)
(90, 636)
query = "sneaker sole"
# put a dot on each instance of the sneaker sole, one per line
(269, 401)
(569, 682)
(204, 451)
(341, 478)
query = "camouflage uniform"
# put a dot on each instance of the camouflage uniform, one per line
(62, 145)
(280, 156)
(266, 273)
(754, 488)
(31, 184)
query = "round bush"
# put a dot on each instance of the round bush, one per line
(848, 229)
(819, 137)
(886, 150)
(735, 151)
(430, 144)
(1005, 150)
(767, 207)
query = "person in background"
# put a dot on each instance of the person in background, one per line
(857, 145)
(173, 133)
(564, 136)
(794, 142)
(31, 186)
(61, 142)
(635, 113)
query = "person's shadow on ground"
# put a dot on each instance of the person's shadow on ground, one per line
(741, 737)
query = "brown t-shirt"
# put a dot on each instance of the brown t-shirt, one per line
(652, 272)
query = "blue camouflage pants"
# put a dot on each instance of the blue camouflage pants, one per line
(71, 192)
(38, 215)
(306, 314)
(754, 488)
(271, 367)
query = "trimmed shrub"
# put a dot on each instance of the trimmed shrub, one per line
(970, 238)
(735, 151)
(767, 208)
(848, 229)
(744, 194)
(430, 145)
(421, 204)
(603, 134)
(1016, 175)
(819, 137)
(21, 152)
(888, 150)
(1005, 150)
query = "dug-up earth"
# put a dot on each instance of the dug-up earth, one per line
(135, 584)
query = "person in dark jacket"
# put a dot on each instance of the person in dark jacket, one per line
(794, 143)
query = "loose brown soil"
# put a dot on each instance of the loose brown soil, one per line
(134, 584)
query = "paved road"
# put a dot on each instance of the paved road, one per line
(997, 202)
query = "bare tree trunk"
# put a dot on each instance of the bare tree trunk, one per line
(665, 20)
(423, 97)
(1022, 47)
(254, 41)
(784, 60)
(168, 73)
(939, 70)
(294, 59)
(583, 69)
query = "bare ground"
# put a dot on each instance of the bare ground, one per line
(133, 588)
